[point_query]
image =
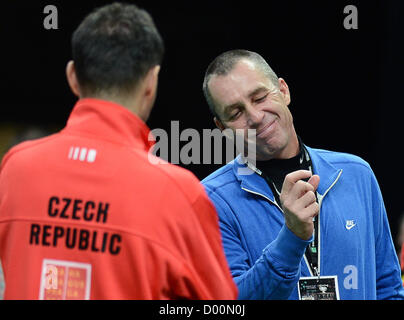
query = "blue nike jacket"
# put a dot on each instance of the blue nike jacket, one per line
(266, 259)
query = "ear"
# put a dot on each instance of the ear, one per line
(72, 79)
(219, 123)
(284, 89)
(151, 82)
(146, 93)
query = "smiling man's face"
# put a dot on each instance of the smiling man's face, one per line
(246, 99)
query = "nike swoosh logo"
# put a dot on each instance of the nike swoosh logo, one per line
(350, 227)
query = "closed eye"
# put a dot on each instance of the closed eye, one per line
(261, 99)
(235, 115)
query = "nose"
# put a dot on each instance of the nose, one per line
(254, 116)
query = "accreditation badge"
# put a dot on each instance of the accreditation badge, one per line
(318, 288)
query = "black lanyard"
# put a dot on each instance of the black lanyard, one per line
(312, 250)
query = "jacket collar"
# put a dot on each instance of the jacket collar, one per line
(254, 183)
(326, 170)
(109, 121)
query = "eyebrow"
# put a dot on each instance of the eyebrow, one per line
(254, 92)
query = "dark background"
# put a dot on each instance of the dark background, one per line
(346, 85)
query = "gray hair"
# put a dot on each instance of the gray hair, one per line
(225, 62)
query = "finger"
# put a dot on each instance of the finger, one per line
(299, 189)
(312, 210)
(314, 181)
(292, 178)
(307, 199)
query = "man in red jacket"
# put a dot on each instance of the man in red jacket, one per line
(84, 213)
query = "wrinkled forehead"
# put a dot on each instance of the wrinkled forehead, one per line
(237, 85)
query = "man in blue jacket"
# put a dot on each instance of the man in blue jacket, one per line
(297, 222)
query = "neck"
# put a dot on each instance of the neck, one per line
(132, 103)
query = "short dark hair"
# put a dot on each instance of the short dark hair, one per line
(225, 62)
(114, 47)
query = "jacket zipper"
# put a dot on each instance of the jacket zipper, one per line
(320, 201)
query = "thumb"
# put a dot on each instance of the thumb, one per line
(314, 181)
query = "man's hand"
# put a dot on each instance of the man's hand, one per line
(299, 204)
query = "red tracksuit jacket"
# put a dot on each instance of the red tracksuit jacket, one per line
(84, 214)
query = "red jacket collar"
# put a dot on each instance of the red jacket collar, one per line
(109, 121)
